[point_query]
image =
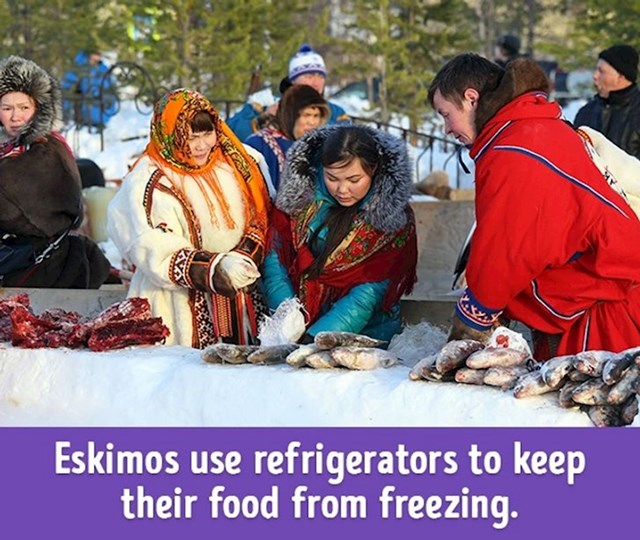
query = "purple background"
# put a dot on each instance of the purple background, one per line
(36, 503)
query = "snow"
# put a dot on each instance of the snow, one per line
(173, 386)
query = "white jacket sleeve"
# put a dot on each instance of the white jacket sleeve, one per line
(149, 232)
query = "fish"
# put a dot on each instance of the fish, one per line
(592, 362)
(629, 410)
(555, 369)
(272, 354)
(565, 394)
(531, 384)
(467, 375)
(228, 353)
(577, 376)
(298, 357)
(591, 392)
(321, 360)
(613, 368)
(496, 356)
(620, 391)
(428, 362)
(504, 377)
(363, 358)
(329, 340)
(604, 415)
(454, 353)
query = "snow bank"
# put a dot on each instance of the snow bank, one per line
(173, 386)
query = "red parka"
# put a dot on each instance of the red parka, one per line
(555, 246)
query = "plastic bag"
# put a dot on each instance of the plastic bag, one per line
(285, 326)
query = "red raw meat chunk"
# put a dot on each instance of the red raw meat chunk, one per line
(123, 333)
(130, 308)
(32, 332)
(6, 307)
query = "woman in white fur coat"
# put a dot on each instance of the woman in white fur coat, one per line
(191, 217)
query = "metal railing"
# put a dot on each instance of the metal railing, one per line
(128, 81)
(427, 143)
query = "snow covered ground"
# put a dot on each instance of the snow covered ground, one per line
(173, 386)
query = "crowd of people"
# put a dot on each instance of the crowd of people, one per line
(222, 222)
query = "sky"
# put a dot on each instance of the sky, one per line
(173, 386)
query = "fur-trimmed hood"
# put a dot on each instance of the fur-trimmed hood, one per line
(384, 207)
(18, 74)
(520, 76)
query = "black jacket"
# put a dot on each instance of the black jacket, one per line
(617, 118)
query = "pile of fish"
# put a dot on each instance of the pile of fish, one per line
(501, 362)
(601, 383)
(470, 362)
(328, 350)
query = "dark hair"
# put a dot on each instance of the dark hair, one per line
(340, 148)
(348, 142)
(468, 70)
(295, 99)
(202, 121)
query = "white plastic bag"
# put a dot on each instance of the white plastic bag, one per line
(508, 339)
(285, 326)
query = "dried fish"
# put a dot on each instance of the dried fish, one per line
(454, 353)
(555, 369)
(620, 391)
(297, 358)
(274, 354)
(321, 360)
(426, 363)
(531, 384)
(329, 340)
(467, 375)
(504, 377)
(629, 410)
(592, 362)
(363, 358)
(228, 353)
(613, 369)
(591, 392)
(496, 356)
(565, 394)
(604, 415)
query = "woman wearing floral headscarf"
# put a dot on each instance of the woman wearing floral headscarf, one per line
(191, 217)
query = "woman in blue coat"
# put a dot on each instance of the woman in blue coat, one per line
(342, 236)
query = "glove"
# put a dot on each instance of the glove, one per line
(233, 271)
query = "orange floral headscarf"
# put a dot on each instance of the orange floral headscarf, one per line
(169, 147)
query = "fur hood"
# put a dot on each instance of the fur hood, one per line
(21, 75)
(520, 76)
(384, 207)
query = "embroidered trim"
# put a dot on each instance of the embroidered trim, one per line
(268, 136)
(474, 314)
(179, 267)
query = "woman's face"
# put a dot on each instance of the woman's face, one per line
(309, 118)
(348, 184)
(201, 143)
(16, 110)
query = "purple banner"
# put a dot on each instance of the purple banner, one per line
(321, 483)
